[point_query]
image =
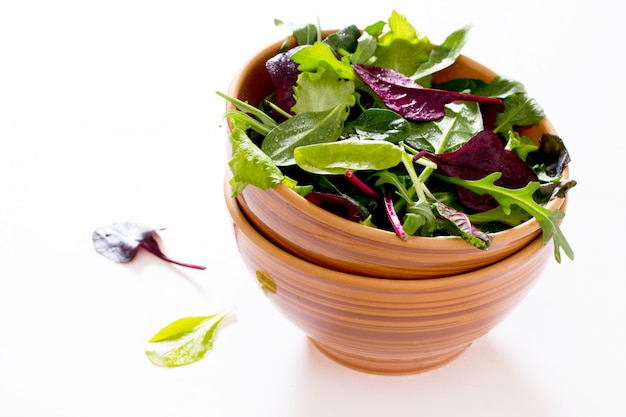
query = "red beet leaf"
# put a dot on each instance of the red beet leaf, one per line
(412, 101)
(336, 204)
(482, 155)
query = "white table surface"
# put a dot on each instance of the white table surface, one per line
(108, 113)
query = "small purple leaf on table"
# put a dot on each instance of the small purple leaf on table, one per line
(120, 242)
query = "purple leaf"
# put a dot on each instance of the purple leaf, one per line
(482, 155)
(335, 204)
(283, 72)
(120, 242)
(412, 101)
(552, 153)
(478, 238)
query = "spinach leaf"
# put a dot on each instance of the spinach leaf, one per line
(379, 124)
(303, 129)
(459, 124)
(184, 341)
(351, 154)
(500, 86)
(305, 34)
(345, 39)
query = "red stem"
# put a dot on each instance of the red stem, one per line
(393, 216)
(356, 181)
(153, 248)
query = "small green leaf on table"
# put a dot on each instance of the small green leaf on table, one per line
(184, 341)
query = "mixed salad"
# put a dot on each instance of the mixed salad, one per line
(356, 124)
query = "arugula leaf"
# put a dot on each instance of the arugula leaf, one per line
(184, 341)
(419, 219)
(522, 197)
(501, 87)
(519, 110)
(266, 121)
(442, 56)
(303, 129)
(322, 91)
(386, 177)
(249, 165)
(513, 217)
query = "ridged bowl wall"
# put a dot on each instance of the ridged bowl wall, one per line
(382, 325)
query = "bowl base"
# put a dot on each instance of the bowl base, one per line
(389, 367)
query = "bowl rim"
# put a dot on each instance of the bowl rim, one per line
(299, 203)
(533, 250)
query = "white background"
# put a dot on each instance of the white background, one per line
(108, 112)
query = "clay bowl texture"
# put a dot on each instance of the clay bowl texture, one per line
(314, 234)
(382, 325)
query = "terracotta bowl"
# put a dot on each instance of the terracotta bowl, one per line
(381, 325)
(314, 234)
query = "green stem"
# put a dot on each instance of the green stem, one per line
(417, 183)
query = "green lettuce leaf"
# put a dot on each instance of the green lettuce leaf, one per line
(249, 165)
(311, 57)
(321, 91)
(401, 48)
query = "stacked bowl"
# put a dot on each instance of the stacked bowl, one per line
(366, 298)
